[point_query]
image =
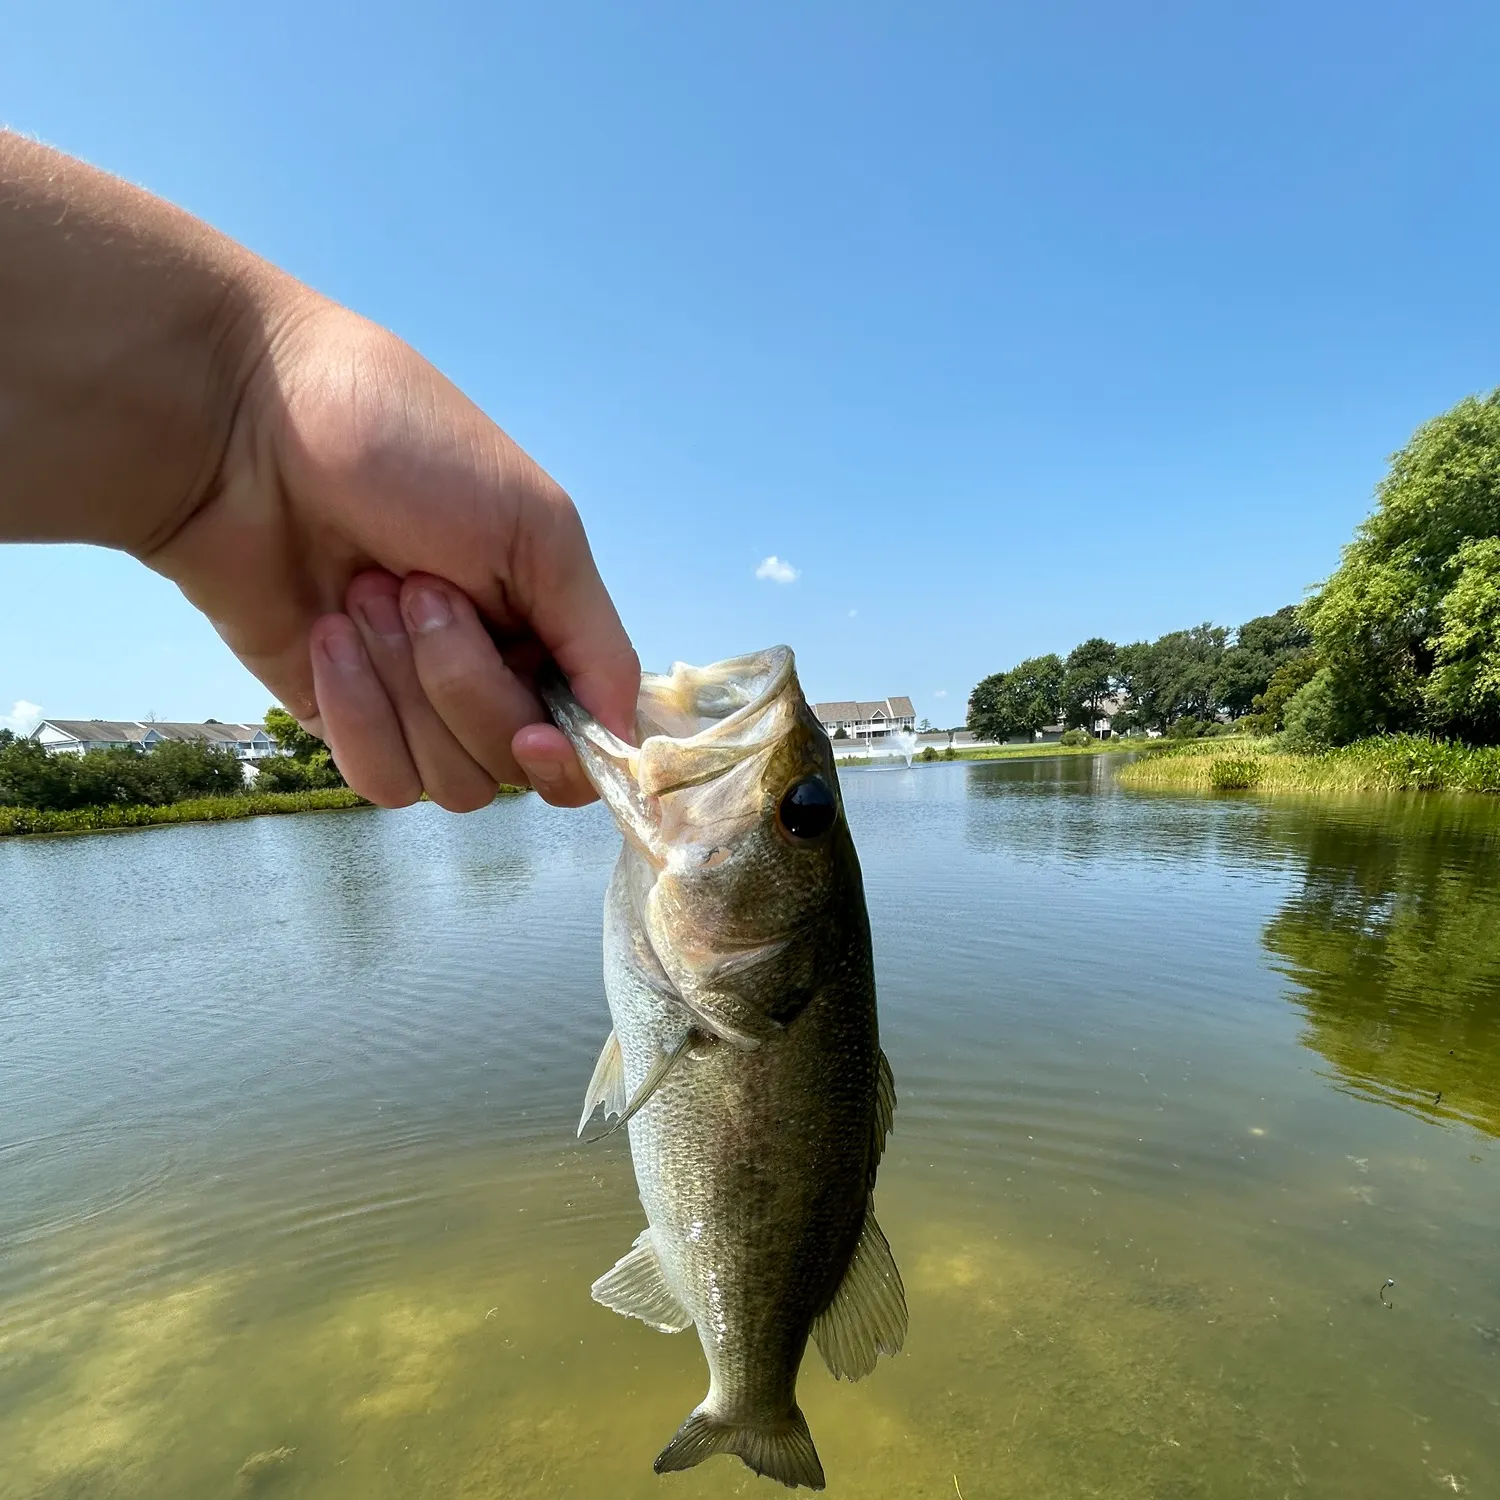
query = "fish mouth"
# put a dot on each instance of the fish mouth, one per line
(695, 724)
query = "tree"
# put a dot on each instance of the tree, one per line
(306, 766)
(178, 769)
(30, 777)
(290, 736)
(1087, 681)
(1406, 626)
(1172, 677)
(1261, 646)
(1269, 708)
(1020, 701)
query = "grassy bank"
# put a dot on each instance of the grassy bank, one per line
(1005, 752)
(19, 820)
(1399, 763)
(1033, 752)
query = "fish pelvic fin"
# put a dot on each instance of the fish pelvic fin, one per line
(781, 1450)
(607, 1086)
(867, 1317)
(636, 1287)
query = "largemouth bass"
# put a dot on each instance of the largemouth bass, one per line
(745, 1054)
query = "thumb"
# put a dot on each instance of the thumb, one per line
(567, 606)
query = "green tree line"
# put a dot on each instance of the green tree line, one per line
(1403, 638)
(1181, 681)
(175, 771)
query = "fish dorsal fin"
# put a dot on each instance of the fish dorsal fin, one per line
(885, 1107)
(635, 1286)
(867, 1316)
(607, 1086)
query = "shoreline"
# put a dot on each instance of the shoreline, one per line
(30, 822)
(1039, 751)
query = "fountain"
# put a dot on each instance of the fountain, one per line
(904, 742)
(900, 745)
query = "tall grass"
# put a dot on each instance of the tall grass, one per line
(1394, 763)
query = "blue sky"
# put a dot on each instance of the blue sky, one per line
(1002, 325)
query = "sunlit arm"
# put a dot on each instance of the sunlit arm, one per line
(358, 532)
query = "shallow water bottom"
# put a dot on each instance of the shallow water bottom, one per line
(1066, 1344)
(290, 1206)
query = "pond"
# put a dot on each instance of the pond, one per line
(290, 1204)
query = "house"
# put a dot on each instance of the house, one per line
(867, 720)
(249, 742)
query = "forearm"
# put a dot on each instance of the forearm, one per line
(128, 332)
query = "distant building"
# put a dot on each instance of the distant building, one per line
(867, 721)
(78, 736)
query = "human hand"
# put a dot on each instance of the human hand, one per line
(394, 569)
(359, 533)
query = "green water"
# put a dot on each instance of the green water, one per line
(290, 1204)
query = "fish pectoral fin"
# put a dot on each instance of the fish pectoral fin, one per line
(636, 1287)
(885, 1108)
(780, 1450)
(867, 1317)
(653, 1080)
(607, 1086)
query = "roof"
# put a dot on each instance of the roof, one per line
(135, 731)
(849, 709)
(94, 729)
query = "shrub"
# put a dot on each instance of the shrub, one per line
(285, 773)
(1234, 774)
(950, 753)
(1312, 717)
(1076, 737)
(929, 755)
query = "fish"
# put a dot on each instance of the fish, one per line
(745, 1060)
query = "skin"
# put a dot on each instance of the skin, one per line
(372, 547)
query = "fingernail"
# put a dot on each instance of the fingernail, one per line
(428, 609)
(382, 614)
(342, 648)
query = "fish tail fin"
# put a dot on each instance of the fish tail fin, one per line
(780, 1450)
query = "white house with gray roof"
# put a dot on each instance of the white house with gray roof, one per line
(872, 720)
(249, 742)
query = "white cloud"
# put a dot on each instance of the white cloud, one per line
(940, 692)
(22, 718)
(777, 570)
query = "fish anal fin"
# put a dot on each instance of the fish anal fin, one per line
(635, 1286)
(780, 1450)
(607, 1085)
(867, 1317)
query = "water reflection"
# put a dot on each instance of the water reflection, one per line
(1393, 940)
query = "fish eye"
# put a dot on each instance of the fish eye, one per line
(808, 809)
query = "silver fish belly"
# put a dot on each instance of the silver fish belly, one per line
(745, 1056)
